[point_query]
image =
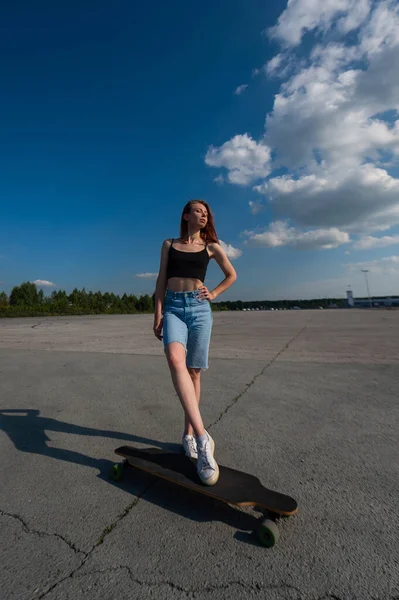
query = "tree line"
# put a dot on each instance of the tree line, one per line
(27, 300)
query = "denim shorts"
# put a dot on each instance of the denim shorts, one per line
(188, 319)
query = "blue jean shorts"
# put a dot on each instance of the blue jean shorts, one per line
(188, 319)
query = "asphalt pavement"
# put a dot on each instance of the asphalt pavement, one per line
(305, 400)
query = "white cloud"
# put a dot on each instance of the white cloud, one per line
(302, 16)
(231, 252)
(241, 88)
(388, 265)
(219, 179)
(245, 159)
(273, 65)
(337, 197)
(334, 127)
(382, 276)
(381, 31)
(282, 65)
(356, 14)
(382, 279)
(256, 207)
(382, 282)
(147, 275)
(280, 234)
(367, 242)
(43, 283)
(330, 106)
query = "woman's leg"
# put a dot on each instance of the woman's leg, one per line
(195, 375)
(184, 386)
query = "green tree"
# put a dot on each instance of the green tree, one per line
(60, 300)
(24, 295)
(75, 298)
(3, 299)
(146, 303)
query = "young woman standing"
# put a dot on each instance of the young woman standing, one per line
(184, 313)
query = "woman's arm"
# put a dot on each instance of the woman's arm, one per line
(221, 258)
(161, 280)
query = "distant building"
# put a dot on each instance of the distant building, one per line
(385, 301)
(349, 296)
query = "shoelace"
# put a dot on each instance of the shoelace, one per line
(192, 446)
(205, 461)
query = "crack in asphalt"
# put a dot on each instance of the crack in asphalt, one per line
(107, 530)
(334, 597)
(250, 384)
(28, 529)
(190, 592)
(210, 588)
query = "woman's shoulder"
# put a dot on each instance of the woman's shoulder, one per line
(212, 248)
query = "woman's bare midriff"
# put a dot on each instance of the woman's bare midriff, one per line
(183, 284)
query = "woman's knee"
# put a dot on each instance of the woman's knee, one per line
(176, 355)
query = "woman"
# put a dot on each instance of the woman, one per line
(187, 321)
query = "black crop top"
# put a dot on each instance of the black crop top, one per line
(187, 264)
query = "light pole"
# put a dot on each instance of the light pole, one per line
(365, 271)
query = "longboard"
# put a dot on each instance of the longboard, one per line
(233, 487)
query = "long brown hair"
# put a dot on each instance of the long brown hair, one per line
(207, 233)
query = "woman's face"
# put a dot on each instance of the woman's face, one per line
(198, 216)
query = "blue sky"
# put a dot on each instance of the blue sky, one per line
(113, 116)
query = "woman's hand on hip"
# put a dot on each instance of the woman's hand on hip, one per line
(158, 325)
(204, 293)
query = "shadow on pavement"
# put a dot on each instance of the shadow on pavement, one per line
(26, 428)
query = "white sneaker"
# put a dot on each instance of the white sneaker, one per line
(207, 467)
(190, 446)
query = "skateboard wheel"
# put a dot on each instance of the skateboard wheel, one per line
(268, 533)
(116, 473)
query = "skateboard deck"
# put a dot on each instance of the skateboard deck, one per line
(233, 487)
